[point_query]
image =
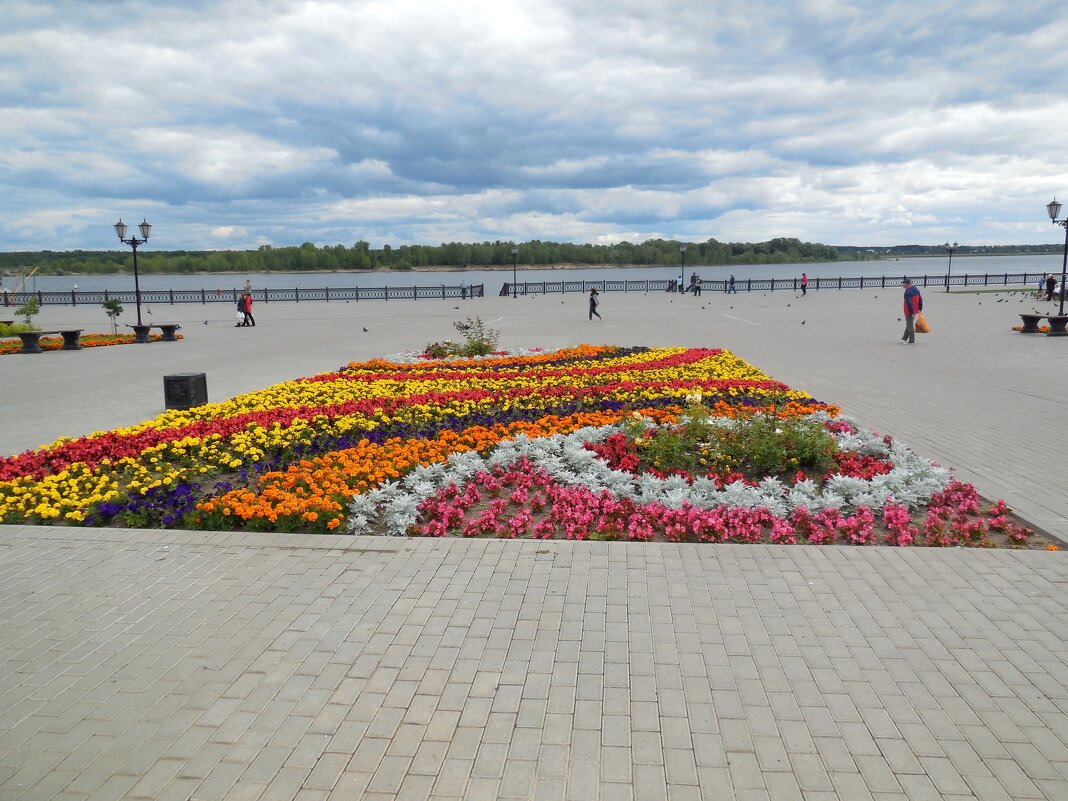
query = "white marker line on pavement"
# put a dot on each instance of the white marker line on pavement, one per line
(739, 319)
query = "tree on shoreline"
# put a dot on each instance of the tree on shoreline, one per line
(361, 256)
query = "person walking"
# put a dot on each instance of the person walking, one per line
(249, 319)
(594, 303)
(730, 286)
(913, 306)
(804, 284)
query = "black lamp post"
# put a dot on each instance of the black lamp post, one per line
(682, 260)
(949, 270)
(515, 252)
(134, 242)
(1054, 210)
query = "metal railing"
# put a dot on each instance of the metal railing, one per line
(776, 284)
(76, 297)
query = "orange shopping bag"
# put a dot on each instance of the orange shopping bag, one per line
(921, 324)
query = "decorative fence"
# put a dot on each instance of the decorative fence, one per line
(161, 297)
(776, 284)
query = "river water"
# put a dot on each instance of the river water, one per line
(495, 279)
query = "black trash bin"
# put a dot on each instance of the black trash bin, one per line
(185, 390)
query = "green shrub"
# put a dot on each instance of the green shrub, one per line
(478, 341)
(27, 311)
(758, 446)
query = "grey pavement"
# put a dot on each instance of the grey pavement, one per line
(205, 665)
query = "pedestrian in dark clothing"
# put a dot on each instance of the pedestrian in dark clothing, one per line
(594, 303)
(913, 306)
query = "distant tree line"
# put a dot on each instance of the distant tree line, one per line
(361, 256)
(845, 251)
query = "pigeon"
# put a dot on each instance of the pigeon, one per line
(365, 329)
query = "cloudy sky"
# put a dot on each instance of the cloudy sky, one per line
(234, 123)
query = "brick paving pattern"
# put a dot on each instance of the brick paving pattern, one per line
(152, 665)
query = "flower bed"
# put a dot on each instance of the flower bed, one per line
(589, 442)
(9, 346)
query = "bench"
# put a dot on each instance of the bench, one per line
(167, 329)
(31, 340)
(1030, 323)
(1056, 324)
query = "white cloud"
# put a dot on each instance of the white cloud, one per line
(846, 121)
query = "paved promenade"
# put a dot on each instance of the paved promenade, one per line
(147, 664)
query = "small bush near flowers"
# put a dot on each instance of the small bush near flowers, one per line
(750, 447)
(478, 341)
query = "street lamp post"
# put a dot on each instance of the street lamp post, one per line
(949, 270)
(1054, 209)
(134, 242)
(682, 260)
(515, 252)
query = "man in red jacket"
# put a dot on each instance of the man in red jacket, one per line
(913, 306)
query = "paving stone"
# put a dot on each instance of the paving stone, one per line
(797, 688)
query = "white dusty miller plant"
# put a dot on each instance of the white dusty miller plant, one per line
(393, 507)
